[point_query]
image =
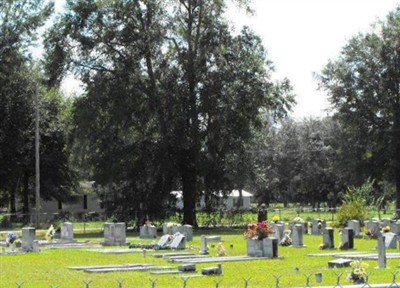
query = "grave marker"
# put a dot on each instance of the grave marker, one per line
(355, 225)
(395, 228)
(381, 251)
(204, 240)
(318, 226)
(148, 231)
(297, 238)
(390, 240)
(328, 238)
(347, 238)
(28, 236)
(67, 232)
(279, 231)
(178, 242)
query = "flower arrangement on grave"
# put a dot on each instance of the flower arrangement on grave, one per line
(386, 229)
(275, 219)
(298, 219)
(286, 240)
(258, 231)
(11, 237)
(358, 274)
(50, 233)
(221, 251)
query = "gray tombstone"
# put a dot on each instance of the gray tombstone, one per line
(204, 240)
(28, 236)
(297, 236)
(178, 241)
(390, 240)
(165, 239)
(373, 226)
(395, 228)
(279, 231)
(318, 226)
(148, 231)
(67, 232)
(270, 247)
(381, 251)
(348, 238)
(328, 238)
(109, 230)
(187, 230)
(355, 225)
(120, 233)
(254, 248)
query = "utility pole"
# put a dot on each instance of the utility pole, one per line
(37, 159)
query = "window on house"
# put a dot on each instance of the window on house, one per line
(85, 202)
(59, 205)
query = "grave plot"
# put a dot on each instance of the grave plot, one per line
(121, 268)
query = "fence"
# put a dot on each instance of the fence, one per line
(246, 282)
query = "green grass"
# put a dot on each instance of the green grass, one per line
(50, 267)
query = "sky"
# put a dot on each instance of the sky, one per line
(300, 37)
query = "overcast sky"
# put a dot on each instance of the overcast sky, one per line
(302, 35)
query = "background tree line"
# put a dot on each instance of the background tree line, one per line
(174, 99)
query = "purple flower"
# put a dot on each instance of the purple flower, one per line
(11, 237)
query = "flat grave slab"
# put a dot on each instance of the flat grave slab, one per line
(109, 266)
(166, 255)
(128, 269)
(222, 259)
(338, 263)
(118, 251)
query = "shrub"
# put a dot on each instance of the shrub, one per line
(354, 205)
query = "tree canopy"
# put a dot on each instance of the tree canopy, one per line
(172, 98)
(363, 85)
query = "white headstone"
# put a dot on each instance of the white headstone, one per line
(178, 242)
(164, 240)
(28, 236)
(390, 240)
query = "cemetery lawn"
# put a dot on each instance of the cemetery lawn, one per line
(49, 268)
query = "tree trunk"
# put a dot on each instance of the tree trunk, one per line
(189, 193)
(25, 199)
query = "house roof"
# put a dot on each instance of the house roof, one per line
(234, 194)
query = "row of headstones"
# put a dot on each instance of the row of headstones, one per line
(148, 231)
(297, 232)
(30, 244)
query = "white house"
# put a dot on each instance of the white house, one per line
(229, 202)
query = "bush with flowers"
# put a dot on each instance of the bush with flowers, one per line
(358, 274)
(258, 231)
